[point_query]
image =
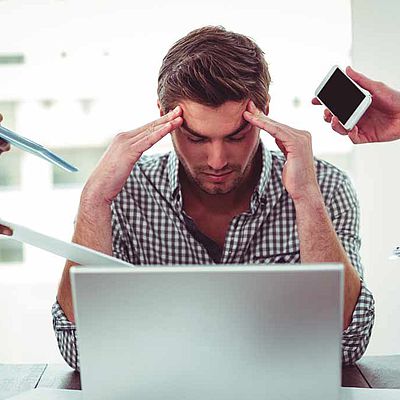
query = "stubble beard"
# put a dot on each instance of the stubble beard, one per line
(216, 190)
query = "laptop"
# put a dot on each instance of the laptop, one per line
(209, 333)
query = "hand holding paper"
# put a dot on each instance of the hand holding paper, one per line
(7, 136)
(71, 251)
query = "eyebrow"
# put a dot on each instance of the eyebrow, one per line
(199, 135)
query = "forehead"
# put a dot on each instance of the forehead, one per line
(211, 121)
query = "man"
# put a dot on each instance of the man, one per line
(220, 197)
(381, 122)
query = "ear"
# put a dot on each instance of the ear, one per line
(160, 108)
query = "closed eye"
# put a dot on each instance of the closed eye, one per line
(236, 138)
(195, 139)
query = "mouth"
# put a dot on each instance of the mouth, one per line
(217, 177)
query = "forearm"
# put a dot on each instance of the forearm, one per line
(319, 243)
(93, 230)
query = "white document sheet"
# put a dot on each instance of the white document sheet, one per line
(370, 394)
(49, 394)
(74, 252)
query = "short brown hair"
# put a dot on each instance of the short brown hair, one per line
(210, 66)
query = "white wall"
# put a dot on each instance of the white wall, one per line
(292, 33)
(376, 170)
(109, 53)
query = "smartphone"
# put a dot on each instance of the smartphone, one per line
(343, 97)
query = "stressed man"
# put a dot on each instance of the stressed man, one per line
(220, 197)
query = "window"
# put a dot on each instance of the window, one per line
(84, 158)
(10, 170)
(11, 251)
(11, 59)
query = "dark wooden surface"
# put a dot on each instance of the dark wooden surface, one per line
(381, 371)
(376, 372)
(60, 376)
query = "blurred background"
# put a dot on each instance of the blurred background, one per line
(75, 73)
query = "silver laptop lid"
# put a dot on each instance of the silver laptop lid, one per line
(196, 333)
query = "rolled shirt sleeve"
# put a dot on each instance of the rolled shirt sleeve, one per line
(65, 332)
(345, 214)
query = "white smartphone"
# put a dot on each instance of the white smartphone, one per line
(343, 97)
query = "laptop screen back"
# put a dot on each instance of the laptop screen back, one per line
(195, 333)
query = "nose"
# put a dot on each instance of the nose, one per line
(217, 157)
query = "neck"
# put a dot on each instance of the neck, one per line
(236, 200)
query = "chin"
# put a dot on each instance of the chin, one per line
(217, 189)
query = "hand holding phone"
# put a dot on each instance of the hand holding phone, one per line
(343, 97)
(381, 122)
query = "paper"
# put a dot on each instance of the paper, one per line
(370, 394)
(71, 251)
(35, 148)
(396, 254)
(49, 394)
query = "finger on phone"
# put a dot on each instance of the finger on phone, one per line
(1, 118)
(315, 101)
(327, 115)
(337, 127)
(5, 230)
(361, 79)
(355, 136)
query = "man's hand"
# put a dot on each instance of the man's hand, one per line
(93, 223)
(113, 170)
(298, 174)
(318, 239)
(4, 146)
(381, 122)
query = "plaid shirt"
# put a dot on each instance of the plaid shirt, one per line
(150, 227)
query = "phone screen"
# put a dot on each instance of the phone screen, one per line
(341, 96)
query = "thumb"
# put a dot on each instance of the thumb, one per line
(281, 147)
(361, 79)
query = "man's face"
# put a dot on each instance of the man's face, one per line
(216, 146)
